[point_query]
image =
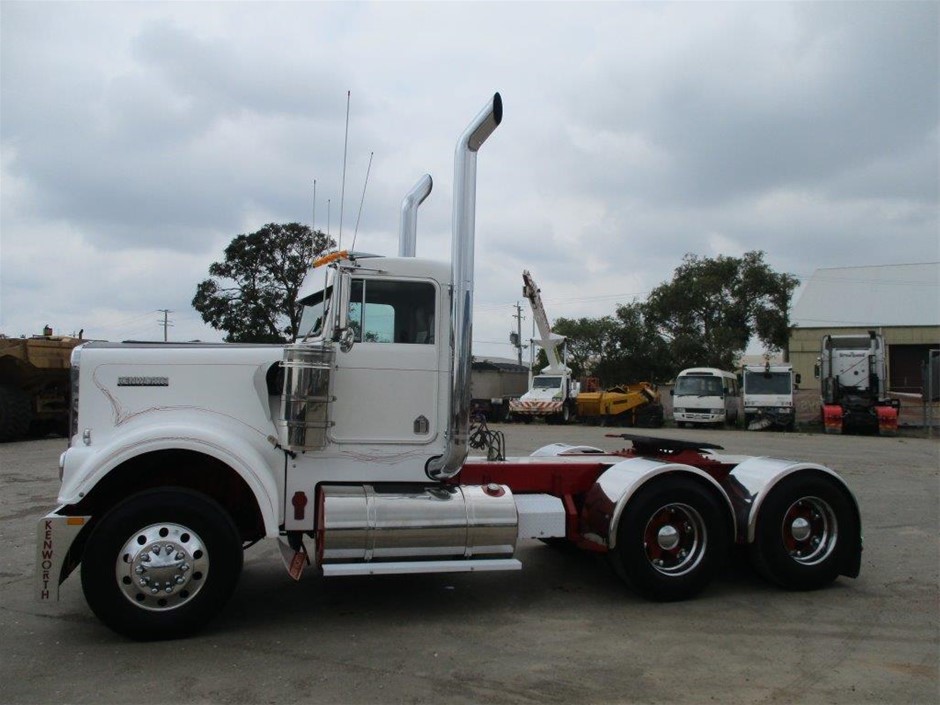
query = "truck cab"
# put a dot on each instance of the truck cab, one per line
(768, 397)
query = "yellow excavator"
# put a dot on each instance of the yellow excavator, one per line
(623, 405)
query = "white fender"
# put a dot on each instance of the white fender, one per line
(752, 480)
(606, 500)
(255, 462)
(556, 449)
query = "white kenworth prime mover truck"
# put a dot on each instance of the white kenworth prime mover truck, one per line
(350, 447)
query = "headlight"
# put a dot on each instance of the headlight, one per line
(718, 411)
(679, 410)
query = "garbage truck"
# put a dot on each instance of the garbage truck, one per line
(350, 448)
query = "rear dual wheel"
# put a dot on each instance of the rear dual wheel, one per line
(672, 538)
(807, 533)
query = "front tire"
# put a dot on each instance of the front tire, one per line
(672, 538)
(806, 533)
(161, 564)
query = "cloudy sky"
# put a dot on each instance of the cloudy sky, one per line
(139, 138)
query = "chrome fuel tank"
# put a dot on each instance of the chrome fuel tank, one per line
(366, 523)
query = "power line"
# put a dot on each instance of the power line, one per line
(166, 323)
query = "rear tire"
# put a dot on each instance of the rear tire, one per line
(15, 413)
(806, 533)
(161, 564)
(673, 537)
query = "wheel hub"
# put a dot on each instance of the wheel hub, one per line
(668, 537)
(810, 530)
(675, 539)
(162, 566)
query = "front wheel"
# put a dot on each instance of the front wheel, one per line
(807, 532)
(672, 538)
(161, 564)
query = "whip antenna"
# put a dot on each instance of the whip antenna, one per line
(342, 195)
(356, 232)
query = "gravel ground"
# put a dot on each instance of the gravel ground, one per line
(562, 630)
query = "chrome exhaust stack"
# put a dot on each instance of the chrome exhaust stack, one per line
(462, 247)
(408, 223)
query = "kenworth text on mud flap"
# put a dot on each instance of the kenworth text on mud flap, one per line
(350, 447)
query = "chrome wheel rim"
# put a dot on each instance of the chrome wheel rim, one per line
(809, 530)
(162, 567)
(675, 539)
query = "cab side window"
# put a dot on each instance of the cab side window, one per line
(392, 312)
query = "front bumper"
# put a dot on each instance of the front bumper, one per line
(55, 559)
(697, 417)
(535, 408)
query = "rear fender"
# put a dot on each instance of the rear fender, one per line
(753, 480)
(606, 501)
(556, 449)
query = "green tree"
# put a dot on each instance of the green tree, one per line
(712, 307)
(252, 293)
(770, 293)
(637, 352)
(588, 340)
(620, 349)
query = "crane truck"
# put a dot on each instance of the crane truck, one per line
(852, 370)
(553, 393)
(350, 448)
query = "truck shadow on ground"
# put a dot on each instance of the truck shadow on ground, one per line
(552, 580)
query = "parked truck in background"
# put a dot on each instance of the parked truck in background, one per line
(494, 384)
(553, 393)
(768, 397)
(34, 384)
(352, 453)
(852, 370)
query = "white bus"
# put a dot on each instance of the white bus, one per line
(705, 395)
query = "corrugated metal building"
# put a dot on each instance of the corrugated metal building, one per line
(900, 301)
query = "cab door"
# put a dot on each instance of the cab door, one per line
(386, 385)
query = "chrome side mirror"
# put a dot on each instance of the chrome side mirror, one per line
(342, 332)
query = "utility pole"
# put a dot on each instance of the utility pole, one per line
(518, 342)
(166, 323)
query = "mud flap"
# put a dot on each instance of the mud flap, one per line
(55, 535)
(832, 418)
(887, 420)
(295, 560)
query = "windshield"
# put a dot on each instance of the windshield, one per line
(546, 383)
(766, 382)
(699, 386)
(312, 316)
